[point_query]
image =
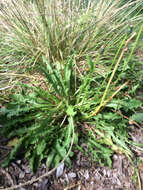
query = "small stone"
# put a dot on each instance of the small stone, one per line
(18, 161)
(43, 166)
(35, 184)
(21, 175)
(86, 175)
(27, 170)
(71, 175)
(43, 185)
(60, 170)
(67, 179)
(115, 157)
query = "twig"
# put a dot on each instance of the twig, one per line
(101, 106)
(139, 179)
(124, 116)
(74, 185)
(5, 147)
(5, 88)
(103, 102)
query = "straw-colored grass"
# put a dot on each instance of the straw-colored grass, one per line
(57, 29)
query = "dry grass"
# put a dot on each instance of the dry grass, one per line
(57, 29)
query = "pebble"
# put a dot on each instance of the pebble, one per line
(18, 161)
(71, 175)
(43, 185)
(60, 170)
(86, 175)
(67, 179)
(27, 170)
(21, 175)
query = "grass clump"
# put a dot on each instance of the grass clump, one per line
(47, 121)
(57, 29)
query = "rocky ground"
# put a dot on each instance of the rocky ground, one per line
(83, 175)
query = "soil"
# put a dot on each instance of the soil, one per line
(82, 175)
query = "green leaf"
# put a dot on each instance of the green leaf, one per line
(61, 150)
(57, 160)
(31, 162)
(116, 104)
(75, 138)
(50, 158)
(68, 133)
(70, 111)
(28, 154)
(90, 63)
(132, 104)
(138, 117)
(35, 161)
(50, 76)
(3, 110)
(54, 78)
(111, 116)
(41, 146)
(109, 161)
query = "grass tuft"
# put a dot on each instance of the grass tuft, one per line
(57, 29)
